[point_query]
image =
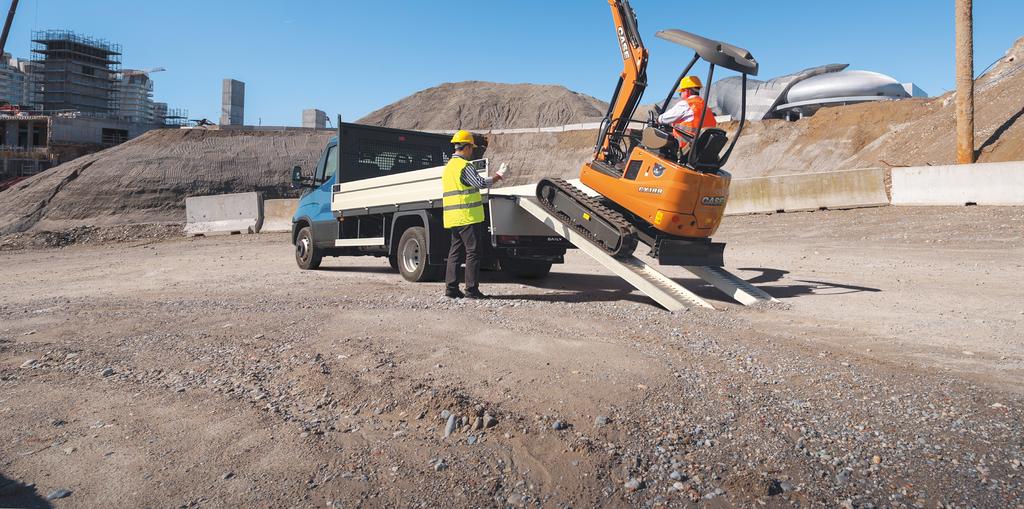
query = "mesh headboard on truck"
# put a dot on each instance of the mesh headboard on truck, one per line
(370, 151)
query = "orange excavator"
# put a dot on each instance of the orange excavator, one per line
(651, 191)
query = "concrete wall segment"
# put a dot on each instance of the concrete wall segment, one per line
(223, 214)
(979, 184)
(813, 191)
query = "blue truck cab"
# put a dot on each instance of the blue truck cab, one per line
(410, 235)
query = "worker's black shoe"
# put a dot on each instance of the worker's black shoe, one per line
(475, 294)
(454, 294)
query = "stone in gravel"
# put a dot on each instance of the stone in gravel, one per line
(876, 460)
(445, 415)
(675, 475)
(227, 475)
(559, 425)
(471, 440)
(601, 420)
(478, 423)
(490, 421)
(58, 493)
(785, 487)
(678, 486)
(449, 428)
(440, 465)
(634, 484)
(107, 372)
(843, 476)
(29, 364)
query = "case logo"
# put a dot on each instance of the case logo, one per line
(658, 170)
(623, 43)
(713, 201)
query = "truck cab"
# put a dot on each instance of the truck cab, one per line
(376, 191)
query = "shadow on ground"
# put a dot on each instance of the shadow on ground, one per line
(574, 287)
(16, 494)
(820, 288)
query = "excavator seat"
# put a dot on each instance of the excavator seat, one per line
(706, 150)
(708, 147)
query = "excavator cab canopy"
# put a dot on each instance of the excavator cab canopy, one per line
(719, 53)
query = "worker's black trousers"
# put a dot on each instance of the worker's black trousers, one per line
(464, 238)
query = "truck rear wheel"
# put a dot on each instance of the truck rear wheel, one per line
(411, 256)
(306, 253)
(525, 269)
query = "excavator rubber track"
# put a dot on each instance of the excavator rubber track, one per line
(603, 226)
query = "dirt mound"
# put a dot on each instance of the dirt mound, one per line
(485, 105)
(91, 235)
(147, 179)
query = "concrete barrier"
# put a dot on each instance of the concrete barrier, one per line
(811, 191)
(978, 184)
(277, 215)
(223, 214)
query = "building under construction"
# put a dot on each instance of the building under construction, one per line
(75, 72)
(79, 101)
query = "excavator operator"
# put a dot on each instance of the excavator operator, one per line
(683, 115)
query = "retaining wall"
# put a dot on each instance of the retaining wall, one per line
(812, 191)
(223, 214)
(277, 215)
(978, 184)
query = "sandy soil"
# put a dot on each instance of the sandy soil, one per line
(212, 372)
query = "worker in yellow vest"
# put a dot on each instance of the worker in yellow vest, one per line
(464, 215)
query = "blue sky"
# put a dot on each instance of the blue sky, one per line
(352, 57)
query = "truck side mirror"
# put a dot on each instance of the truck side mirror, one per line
(296, 177)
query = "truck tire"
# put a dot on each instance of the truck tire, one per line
(411, 256)
(306, 253)
(525, 269)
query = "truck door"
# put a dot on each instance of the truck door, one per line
(317, 204)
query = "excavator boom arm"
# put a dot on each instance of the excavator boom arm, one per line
(632, 81)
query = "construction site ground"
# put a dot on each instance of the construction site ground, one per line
(213, 372)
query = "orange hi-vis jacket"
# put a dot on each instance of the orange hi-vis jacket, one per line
(688, 123)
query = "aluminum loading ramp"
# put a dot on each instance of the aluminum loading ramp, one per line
(671, 295)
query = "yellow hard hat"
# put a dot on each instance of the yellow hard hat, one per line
(463, 138)
(690, 82)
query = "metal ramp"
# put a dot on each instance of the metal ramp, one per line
(671, 295)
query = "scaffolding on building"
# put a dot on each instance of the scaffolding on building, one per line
(75, 72)
(176, 117)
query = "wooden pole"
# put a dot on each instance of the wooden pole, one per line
(964, 82)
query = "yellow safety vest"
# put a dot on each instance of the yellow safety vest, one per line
(462, 204)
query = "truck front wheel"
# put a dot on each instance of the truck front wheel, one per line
(411, 256)
(525, 269)
(306, 254)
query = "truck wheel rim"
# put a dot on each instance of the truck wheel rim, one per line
(302, 247)
(411, 255)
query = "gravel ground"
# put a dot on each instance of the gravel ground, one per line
(212, 372)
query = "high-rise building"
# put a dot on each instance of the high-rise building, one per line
(75, 72)
(15, 81)
(135, 98)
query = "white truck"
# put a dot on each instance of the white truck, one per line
(377, 192)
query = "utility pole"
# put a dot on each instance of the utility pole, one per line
(964, 82)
